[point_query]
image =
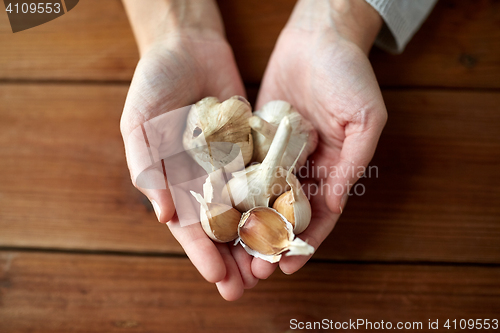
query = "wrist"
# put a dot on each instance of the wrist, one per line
(357, 21)
(154, 21)
(353, 20)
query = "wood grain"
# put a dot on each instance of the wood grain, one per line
(456, 47)
(252, 28)
(91, 42)
(421, 243)
(64, 182)
(437, 191)
(86, 293)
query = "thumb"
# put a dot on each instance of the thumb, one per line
(357, 151)
(147, 170)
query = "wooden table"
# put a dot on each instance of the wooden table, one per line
(80, 250)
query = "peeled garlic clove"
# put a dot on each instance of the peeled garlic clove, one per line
(263, 132)
(265, 233)
(294, 205)
(284, 206)
(296, 211)
(261, 184)
(210, 122)
(219, 221)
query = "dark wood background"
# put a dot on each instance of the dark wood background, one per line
(80, 250)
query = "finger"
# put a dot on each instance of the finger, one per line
(200, 249)
(262, 269)
(154, 185)
(244, 262)
(322, 223)
(162, 202)
(357, 150)
(231, 287)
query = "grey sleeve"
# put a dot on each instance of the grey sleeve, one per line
(402, 19)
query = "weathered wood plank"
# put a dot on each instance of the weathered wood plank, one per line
(91, 42)
(437, 192)
(252, 28)
(64, 182)
(94, 293)
(456, 47)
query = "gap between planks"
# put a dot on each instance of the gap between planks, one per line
(150, 254)
(248, 85)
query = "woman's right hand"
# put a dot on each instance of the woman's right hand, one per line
(184, 58)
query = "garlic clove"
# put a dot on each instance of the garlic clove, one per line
(265, 233)
(294, 204)
(219, 221)
(284, 206)
(223, 221)
(261, 184)
(262, 132)
(264, 230)
(213, 129)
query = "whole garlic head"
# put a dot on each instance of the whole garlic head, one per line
(264, 124)
(210, 121)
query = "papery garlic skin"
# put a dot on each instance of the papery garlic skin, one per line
(266, 234)
(261, 184)
(263, 133)
(215, 188)
(248, 191)
(223, 127)
(220, 222)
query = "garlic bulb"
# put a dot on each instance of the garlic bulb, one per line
(265, 233)
(212, 129)
(264, 124)
(219, 221)
(294, 205)
(261, 184)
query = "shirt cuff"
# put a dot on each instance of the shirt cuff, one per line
(402, 20)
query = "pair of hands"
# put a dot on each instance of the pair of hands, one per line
(319, 65)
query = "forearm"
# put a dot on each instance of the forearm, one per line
(353, 20)
(155, 20)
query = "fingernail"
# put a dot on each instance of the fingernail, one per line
(244, 100)
(343, 202)
(157, 209)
